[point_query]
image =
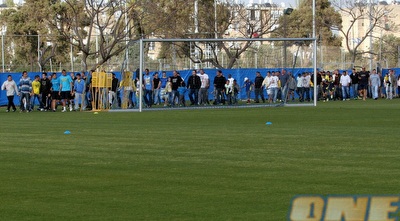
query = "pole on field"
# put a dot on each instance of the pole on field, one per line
(315, 55)
(140, 73)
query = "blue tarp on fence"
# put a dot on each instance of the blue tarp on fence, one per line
(238, 74)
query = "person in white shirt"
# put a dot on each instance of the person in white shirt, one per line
(274, 86)
(205, 84)
(345, 81)
(306, 81)
(299, 88)
(265, 84)
(11, 89)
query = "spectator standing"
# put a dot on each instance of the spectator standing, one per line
(292, 87)
(219, 87)
(248, 88)
(258, 88)
(147, 88)
(163, 81)
(156, 85)
(299, 86)
(45, 92)
(25, 91)
(398, 85)
(205, 84)
(66, 84)
(306, 79)
(236, 89)
(273, 85)
(194, 84)
(375, 83)
(79, 89)
(265, 83)
(390, 82)
(11, 89)
(354, 83)
(55, 91)
(363, 83)
(36, 93)
(175, 83)
(182, 91)
(345, 81)
(284, 78)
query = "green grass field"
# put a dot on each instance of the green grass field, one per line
(212, 164)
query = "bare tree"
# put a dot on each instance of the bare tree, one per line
(237, 21)
(227, 20)
(112, 22)
(372, 16)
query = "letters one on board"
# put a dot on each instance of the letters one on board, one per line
(345, 208)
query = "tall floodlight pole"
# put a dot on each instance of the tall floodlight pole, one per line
(314, 35)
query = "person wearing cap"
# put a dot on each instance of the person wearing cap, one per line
(248, 88)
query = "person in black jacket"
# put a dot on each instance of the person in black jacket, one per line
(175, 83)
(45, 92)
(193, 84)
(219, 87)
(258, 87)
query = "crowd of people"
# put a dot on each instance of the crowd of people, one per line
(74, 92)
(48, 91)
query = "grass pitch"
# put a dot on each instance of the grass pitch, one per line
(213, 164)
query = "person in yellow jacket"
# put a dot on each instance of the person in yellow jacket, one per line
(36, 93)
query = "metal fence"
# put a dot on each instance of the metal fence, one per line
(22, 52)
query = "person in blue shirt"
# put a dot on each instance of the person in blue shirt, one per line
(163, 81)
(79, 89)
(66, 84)
(55, 91)
(248, 87)
(148, 88)
(182, 90)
